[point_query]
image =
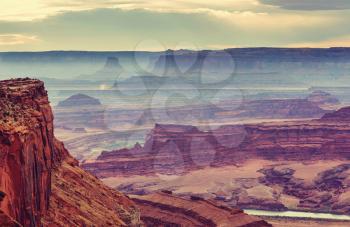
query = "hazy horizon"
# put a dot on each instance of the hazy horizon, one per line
(162, 50)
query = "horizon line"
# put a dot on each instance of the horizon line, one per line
(155, 51)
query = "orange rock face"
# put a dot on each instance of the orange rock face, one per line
(28, 148)
(40, 183)
(80, 199)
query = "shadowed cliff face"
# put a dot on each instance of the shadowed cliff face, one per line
(41, 183)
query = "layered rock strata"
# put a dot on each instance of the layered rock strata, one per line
(164, 209)
(40, 183)
(176, 149)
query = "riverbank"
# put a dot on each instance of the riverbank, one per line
(301, 219)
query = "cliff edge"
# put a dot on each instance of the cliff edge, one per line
(40, 183)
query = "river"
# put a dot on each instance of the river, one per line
(298, 214)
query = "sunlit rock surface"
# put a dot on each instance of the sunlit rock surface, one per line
(41, 184)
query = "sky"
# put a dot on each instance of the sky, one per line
(110, 25)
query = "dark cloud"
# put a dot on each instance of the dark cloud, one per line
(309, 4)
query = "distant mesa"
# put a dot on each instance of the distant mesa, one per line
(281, 108)
(79, 100)
(322, 98)
(112, 65)
(299, 63)
(110, 71)
(341, 115)
(80, 111)
(166, 65)
(193, 63)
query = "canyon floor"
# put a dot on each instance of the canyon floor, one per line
(229, 182)
(239, 186)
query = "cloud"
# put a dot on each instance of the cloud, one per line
(309, 4)
(207, 25)
(16, 39)
(248, 20)
(27, 10)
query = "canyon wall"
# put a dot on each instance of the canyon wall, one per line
(175, 149)
(293, 165)
(29, 151)
(40, 183)
(164, 209)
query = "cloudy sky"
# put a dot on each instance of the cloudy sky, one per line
(32, 25)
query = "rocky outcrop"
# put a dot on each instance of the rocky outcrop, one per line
(29, 150)
(112, 65)
(322, 98)
(109, 72)
(176, 149)
(80, 111)
(41, 184)
(79, 100)
(166, 65)
(281, 108)
(164, 209)
(341, 116)
(328, 192)
(80, 199)
(167, 151)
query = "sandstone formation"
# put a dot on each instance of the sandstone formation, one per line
(109, 72)
(79, 100)
(175, 149)
(29, 150)
(322, 98)
(178, 150)
(80, 111)
(80, 199)
(41, 184)
(341, 116)
(164, 209)
(281, 108)
(166, 65)
(84, 121)
(328, 192)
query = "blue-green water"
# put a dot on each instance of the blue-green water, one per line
(298, 214)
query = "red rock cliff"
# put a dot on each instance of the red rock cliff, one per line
(175, 149)
(164, 209)
(40, 183)
(28, 148)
